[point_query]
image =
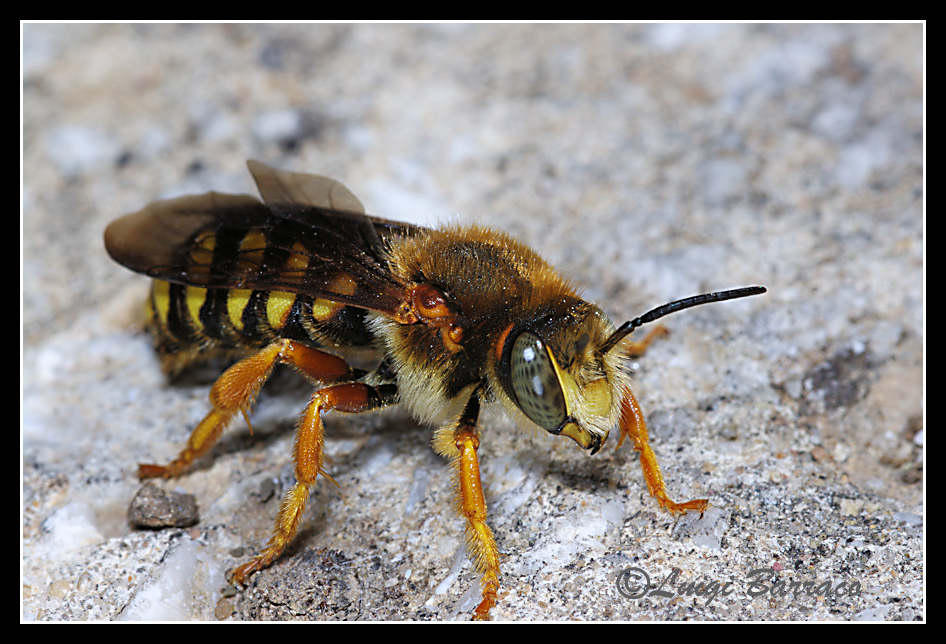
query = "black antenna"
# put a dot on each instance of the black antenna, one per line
(673, 307)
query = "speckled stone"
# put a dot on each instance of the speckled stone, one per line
(646, 162)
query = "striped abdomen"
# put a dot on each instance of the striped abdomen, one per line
(190, 320)
(232, 273)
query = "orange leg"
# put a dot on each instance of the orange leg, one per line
(460, 444)
(634, 427)
(236, 389)
(638, 348)
(350, 397)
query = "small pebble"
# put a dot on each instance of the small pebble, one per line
(152, 507)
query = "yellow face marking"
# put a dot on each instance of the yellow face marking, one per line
(194, 297)
(597, 397)
(278, 305)
(565, 381)
(593, 398)
(323, 309)
(237, 299)
(577, 434)
(161, 296)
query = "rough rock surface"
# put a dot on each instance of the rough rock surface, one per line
(647, 162)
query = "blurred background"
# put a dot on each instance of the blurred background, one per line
(647, 162)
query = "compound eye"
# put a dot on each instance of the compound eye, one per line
(535, 383)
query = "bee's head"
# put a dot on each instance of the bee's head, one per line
(553, 372)
(563, 372)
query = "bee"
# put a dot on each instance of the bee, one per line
(456, 316)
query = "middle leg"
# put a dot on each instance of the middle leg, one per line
(350, 397)
(460, 445)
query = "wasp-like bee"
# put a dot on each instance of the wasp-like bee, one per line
(457, 316)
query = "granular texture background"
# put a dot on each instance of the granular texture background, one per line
(647, 163)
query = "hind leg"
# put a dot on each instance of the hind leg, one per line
(237, 388)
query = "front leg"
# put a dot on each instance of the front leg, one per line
(634, 427)
(461, 447)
